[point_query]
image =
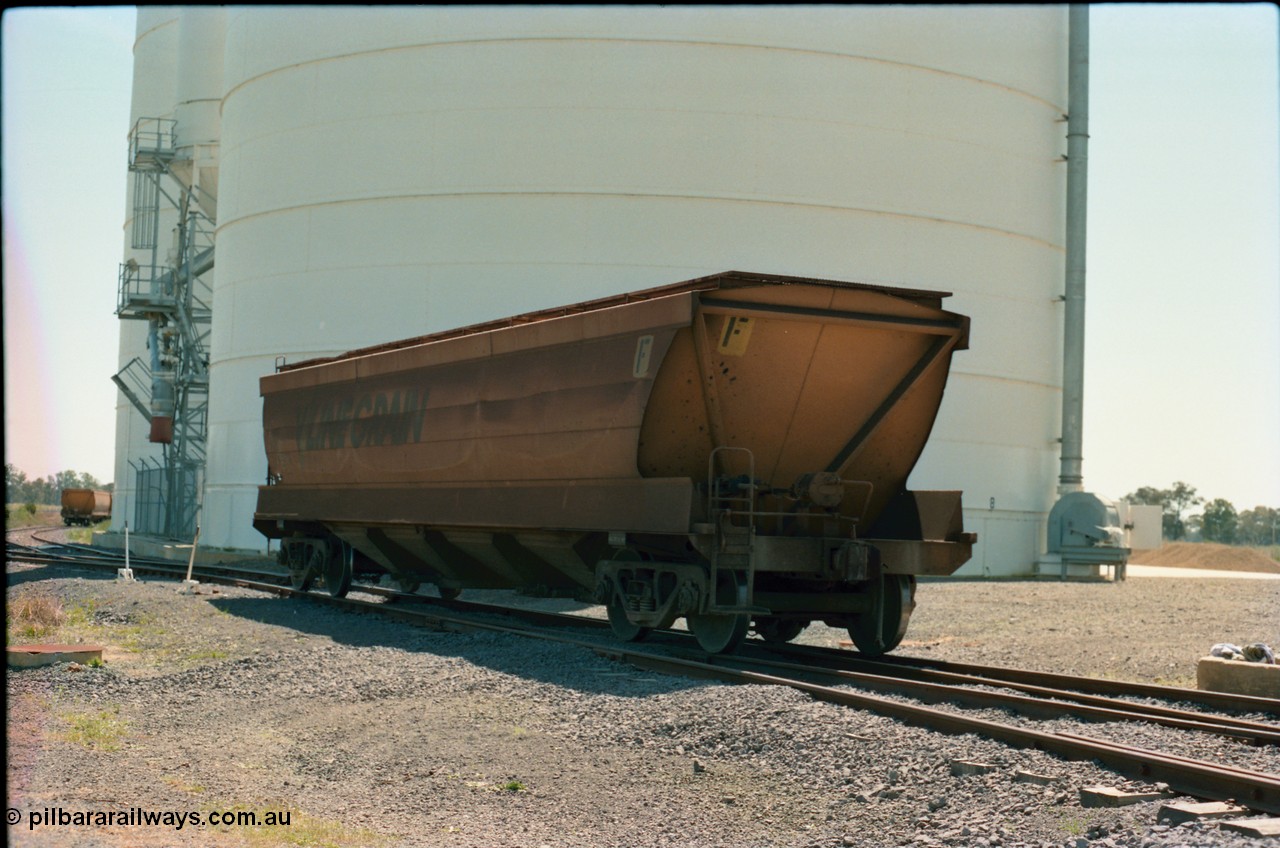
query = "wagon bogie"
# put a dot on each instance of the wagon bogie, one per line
(652, 594)
(315, 554)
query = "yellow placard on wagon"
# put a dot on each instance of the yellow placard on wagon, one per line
(736, 334)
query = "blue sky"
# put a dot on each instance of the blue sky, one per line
(1183, 328)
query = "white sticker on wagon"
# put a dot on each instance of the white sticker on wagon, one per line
(644, 350)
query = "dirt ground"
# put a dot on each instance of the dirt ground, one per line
(1207, 555)
(372, 733)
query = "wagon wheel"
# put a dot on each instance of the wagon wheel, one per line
(623, 627)
(297, 558)
(774, 629)
(719, 633)
(448, 593)
(337, 570)
(880, 629)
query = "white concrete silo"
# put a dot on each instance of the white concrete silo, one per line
(198, 109)
(389, 172)
(155, 62)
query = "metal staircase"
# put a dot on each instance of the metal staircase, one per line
(134, 382)
(170, 293)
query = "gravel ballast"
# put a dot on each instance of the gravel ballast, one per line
(373, 732)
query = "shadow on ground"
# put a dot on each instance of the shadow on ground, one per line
(546, 662)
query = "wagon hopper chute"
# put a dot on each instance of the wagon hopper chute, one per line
(733, 450)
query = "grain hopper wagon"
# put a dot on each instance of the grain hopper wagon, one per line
(85, 506)
(732, 450)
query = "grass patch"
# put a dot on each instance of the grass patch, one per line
(266, 826)
(41, 617)
(206, 654)
(137, 632)
(99, 730)
(1073, 825)
(33, 617)
(81, 614)
(178, 783)
(507, 786)
(17, 516)
(84, 535)
(1183, 681)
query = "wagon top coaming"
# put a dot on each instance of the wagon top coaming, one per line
(724, 280)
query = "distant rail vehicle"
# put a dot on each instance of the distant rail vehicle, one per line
(732, 450)
(85, 506)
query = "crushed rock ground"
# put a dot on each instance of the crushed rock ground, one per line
(372, 732)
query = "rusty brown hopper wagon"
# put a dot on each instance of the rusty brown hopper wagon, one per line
(85, 506)
(733, 450)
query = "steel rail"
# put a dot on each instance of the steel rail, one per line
(1257, 790)
(1046, 707)
(1069, 688)
(146, 565)
(1044, 684)
(925, 685)
(1067, 691)
(1085, 690)
(1000, 676)
(1212, 781)
(842, 662)
(32, 528)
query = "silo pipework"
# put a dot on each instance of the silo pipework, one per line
(1071, 478)
(163, 396)
(1084, 529)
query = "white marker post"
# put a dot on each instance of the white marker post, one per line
(189, 585)
(125, 575)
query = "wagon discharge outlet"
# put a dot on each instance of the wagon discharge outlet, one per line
(733, 449)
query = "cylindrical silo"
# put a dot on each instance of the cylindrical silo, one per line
(389, 172)
(155, 62)
(201, 44)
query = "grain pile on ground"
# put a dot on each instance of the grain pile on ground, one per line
(371, 733)
(1207, 555)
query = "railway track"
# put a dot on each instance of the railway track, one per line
(937, 695)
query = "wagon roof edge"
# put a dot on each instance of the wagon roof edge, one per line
(722, 280)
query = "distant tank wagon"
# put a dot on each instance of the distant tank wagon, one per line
(733, 450)
(85, 506)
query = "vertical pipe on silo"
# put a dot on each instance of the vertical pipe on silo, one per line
(1072, 478)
